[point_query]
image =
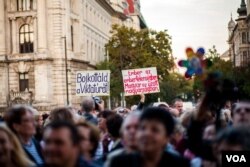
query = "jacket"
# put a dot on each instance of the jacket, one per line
(135, 160)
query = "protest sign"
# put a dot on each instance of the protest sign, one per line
(140, 81)
(93, 83)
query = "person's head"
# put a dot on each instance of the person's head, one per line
(241, 113)
(123, 112)
(21, 121)
(89, 138)
(161, 104)
(38, 118)
(11, 151)
(209, 133)
(129, 130)
(155, 128)
(88, 104)
(178, 104)
(102, 119)
(185, 118)
(61, 142)
(227, 114)
(174, 112)
(178, 133)
(61, 114)
(232, 139)
(114, 123)
(228, 105)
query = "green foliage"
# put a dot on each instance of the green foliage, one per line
(240, 75)
(131, 49)
(213, 53)
(175, 85)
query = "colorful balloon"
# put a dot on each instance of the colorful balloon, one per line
(195, 63)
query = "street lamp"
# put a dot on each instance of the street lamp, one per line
(66, 69)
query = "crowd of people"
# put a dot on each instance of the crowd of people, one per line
(143, 136)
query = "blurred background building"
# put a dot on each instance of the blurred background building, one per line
(239, 39)
(37, 35)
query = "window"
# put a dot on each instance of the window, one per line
(248, 37)
(125, 5)
(23, 82)
(244, 58)
(72, 38)
(26, 38)
(244, 37)
(23, 5)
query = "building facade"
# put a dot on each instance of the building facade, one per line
(35, 36)
(131, 9)
(239, 39)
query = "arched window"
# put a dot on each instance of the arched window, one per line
(23, 5)
(26, 38)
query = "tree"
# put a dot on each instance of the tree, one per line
(239, 75)
(242, 80)
(130, 49)
(176, 86)
(218, 65)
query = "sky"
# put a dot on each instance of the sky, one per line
(191, 23)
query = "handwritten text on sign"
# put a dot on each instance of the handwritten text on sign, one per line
(90, 83)
(140, 81)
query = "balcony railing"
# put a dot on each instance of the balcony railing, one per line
(20, 97)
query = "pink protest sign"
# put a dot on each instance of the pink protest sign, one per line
(140, 81)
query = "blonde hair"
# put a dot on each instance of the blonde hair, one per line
(18, 156)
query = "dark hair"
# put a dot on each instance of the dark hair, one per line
(55, 125)
(161, 115)
(235, 136)
(45, 116)
(177, 99)
(105, 114)
(14, 115)
(114, 123)
(94, 135)
(163, 106)
(88, 104)
(61, 114)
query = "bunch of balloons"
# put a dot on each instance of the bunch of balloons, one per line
(196, 63)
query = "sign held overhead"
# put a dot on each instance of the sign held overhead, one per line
(93, 83)
(140, 81)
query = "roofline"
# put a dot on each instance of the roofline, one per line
(231, 36)
(107, 6)
(143, 23)
(111, 10)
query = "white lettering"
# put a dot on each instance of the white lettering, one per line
(229, 157)
(242, 158)
(236, 158)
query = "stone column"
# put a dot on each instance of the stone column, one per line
(43, 90)
(42, 26)
(2, 29)
(14, 34)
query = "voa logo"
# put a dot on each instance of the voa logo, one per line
(236, 158)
